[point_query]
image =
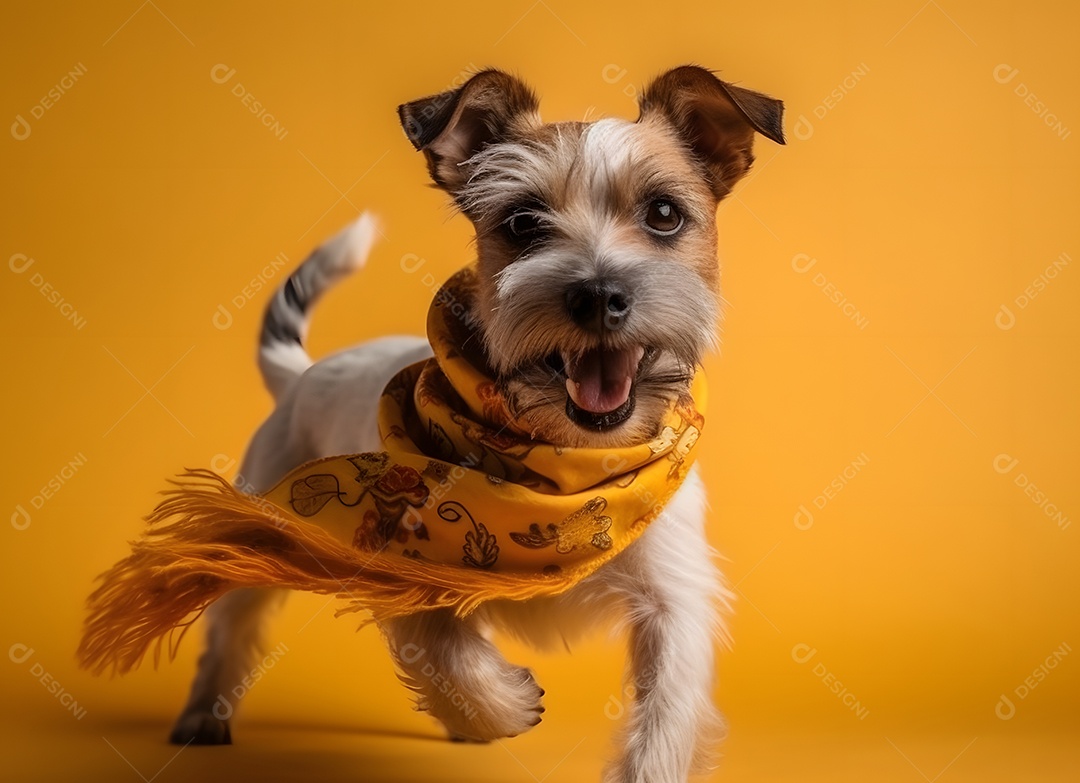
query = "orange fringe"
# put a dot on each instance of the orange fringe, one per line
(207, 538)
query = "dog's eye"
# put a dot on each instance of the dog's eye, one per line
(522, 224)
(663, 218)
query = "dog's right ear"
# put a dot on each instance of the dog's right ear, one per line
(451, 127)
(717, 120)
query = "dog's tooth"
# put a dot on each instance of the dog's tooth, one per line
(573, 389)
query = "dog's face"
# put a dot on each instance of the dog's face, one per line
(596, 242)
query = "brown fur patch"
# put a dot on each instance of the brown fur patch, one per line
(716, 119)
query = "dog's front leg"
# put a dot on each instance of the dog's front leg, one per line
(673, 592)
(461, 678)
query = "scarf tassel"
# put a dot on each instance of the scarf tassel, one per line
(207, 538)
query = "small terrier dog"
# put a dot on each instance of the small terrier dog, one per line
(598, 296)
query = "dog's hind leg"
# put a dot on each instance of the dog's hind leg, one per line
(461, 678)
(237, 621)
(235, 640)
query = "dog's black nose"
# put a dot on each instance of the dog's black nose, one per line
(598, 305)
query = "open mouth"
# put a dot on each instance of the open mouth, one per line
(599, 384)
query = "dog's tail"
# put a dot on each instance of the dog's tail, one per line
(282, 357)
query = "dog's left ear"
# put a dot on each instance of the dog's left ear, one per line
(451, 127)
(716, 119)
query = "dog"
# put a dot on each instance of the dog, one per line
(598, 297)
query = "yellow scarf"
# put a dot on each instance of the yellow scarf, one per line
(459, 509)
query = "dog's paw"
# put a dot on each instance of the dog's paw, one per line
(657, 751)
(200, 727)
(482, 709)
(627, 771)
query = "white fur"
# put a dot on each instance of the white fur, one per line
(611, 142)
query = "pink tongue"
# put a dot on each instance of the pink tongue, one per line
(599, 381)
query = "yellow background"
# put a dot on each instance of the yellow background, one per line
(929, 194)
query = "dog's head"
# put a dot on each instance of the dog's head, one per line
(596, 241)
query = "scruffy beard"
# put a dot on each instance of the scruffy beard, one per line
(537, 352)
(543, 408)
